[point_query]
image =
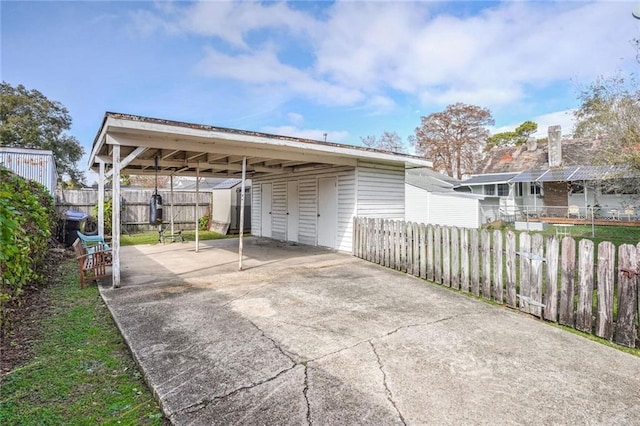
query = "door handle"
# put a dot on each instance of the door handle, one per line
(318, 214)
(287, 213)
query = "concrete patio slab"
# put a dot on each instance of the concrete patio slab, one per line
(306, 335)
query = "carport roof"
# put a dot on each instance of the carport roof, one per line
(188, 149)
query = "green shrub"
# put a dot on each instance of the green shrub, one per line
(27, 220)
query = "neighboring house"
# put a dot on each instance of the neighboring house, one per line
(226, 202)
(547, 179)
(32, 164)
(430, 198)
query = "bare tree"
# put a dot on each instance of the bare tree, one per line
(389, 141)
(453, 139)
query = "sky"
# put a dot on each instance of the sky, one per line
(347, 69)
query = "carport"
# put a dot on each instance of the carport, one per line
(303, 190)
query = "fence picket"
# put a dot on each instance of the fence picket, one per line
(409, 252)
(585, 286)
(551, 293)
(475, 263)
(537, 249)
(464, 260)
(423, 251)
(430, 250)
(512, 301)
(437, 256)
(416, 251)
(627, 295)
(396, 244)
(497, 267)
(455, 259)
(567, 282)
(486, 264)
(606, 274)
(446, 256)
(525, 271)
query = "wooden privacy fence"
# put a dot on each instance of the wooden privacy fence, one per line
(135, 202)
(557, 281)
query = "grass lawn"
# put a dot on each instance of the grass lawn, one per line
(152, 237)
(81, 372)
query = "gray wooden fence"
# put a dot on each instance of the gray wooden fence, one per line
(135, 214)
(559, 281)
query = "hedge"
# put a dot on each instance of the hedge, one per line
(27, 220)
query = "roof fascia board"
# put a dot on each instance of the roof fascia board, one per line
(123, 125)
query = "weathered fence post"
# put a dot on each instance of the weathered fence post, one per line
(455, 259)
(497, 267)
(416, 250)
(397, 245)
(537, 250)
(437, 254)
(464, 260)
(409, 249)
(606, 275)
(475, 263)
(585, 286)
(567, 282)
(423, 252)
(446, 256)
(525, 271)
(627, 295)
(486, 264)
(551, 293)
(511, 269)
(430, 250)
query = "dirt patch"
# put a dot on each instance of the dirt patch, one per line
(25, 317)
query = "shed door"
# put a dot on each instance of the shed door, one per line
(327, 211)
(293, 211)
(265, 216)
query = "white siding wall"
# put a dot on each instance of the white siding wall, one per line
(441, 209)
(416, 204)
(279, 210)
(453, 210)
(380, 191)
(256, 206)
(308, 199)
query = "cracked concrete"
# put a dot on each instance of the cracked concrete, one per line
(309, 336)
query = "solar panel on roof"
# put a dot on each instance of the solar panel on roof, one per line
(528, 176)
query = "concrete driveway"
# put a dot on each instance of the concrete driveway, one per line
(309, 336)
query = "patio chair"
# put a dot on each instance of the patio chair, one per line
(629, 212)
(573, 210)
(93, 242)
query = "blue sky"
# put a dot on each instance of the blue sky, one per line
(348, 69)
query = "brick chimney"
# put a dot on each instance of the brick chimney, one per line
(555, 146)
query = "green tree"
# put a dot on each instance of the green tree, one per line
(453, 139)
(29, 120)
(610, 110)
(512, 138)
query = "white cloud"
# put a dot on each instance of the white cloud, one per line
(264, 68)
(295, 118)
(564, 119)
(365, 53)
(314, 134)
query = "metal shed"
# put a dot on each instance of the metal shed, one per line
(32, 164)
(302, 190)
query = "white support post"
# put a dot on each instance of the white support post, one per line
(101, 198)
(115, 217)
(171, 208)
(197, 207)
(240, 248)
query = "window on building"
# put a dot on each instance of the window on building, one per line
(534, 188)
(503, 189)
(519, 188)
(489, 190)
